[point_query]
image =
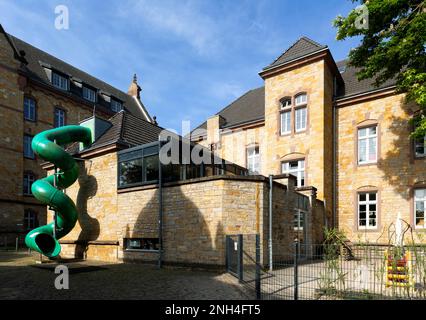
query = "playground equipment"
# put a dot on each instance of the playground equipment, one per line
(48, 146)
(398, 260)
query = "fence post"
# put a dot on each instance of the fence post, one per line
(295, 267)
(240, 258)
(17, 243)
(257, 277)
(227, 253)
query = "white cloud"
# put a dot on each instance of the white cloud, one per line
(178, 18)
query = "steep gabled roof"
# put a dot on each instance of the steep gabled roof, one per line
(302, 47)
(36, 58)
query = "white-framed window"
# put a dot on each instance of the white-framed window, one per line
(367, 145)
(301, 119)
(28, 182)
(89, 94)
(367, 210)
(286, 122)
(30, 219)
(301, 99)
(420, 147)
(419, 208)
(29, 109)
(297, 169)
(28, 151)
(60, 81)
(285, 116)
(253, 160)
(59, 118)
(116, 105)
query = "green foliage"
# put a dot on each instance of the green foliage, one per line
(392, 47)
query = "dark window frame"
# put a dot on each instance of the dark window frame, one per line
(32, 151)
(23, 183)
(27, 97)
(27, 220)
(58, 108)
(143, 240)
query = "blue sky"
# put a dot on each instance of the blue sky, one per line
(192, 58)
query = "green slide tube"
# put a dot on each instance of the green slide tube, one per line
(48, 146)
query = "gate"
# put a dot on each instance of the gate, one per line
(234, 255)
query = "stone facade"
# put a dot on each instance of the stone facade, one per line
(394, 175)
(198, 214)
(14, 86)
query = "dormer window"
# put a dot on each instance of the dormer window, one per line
(116, 105)
(89, 94)
(60, 81)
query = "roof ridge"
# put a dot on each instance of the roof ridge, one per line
(72, 66)
(297, 41)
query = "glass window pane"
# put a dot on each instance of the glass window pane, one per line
(372, 130)
(130, 172)
(362, 197)
(362, 132)
(420, 193)
(372, 196)
(372, 149)
(151, 167)
(362, 151)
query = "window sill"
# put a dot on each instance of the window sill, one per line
(286, 134)
(366, 164)
(30, 120)
(368, 230)
(301, 131)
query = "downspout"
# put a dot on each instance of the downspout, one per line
(160, 207)
(334, 224)
(270, 222)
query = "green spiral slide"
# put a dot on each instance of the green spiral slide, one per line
(47, 145)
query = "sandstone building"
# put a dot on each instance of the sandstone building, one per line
(337, 150)
(347, 138)
(39, 92)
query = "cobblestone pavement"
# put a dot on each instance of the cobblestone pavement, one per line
(22, 278)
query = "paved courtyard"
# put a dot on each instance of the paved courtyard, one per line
(22, 278)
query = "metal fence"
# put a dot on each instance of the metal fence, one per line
(329, 271)
(337, 272)
(12, 242)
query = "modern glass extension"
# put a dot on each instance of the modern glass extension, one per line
(139, 166)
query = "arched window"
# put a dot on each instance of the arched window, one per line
(294, 114)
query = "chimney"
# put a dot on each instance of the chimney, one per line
(134, 89)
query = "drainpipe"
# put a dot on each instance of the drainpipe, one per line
(270, 223)
(160, 207)
(334, 224)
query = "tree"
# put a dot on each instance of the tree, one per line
(393, 46)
